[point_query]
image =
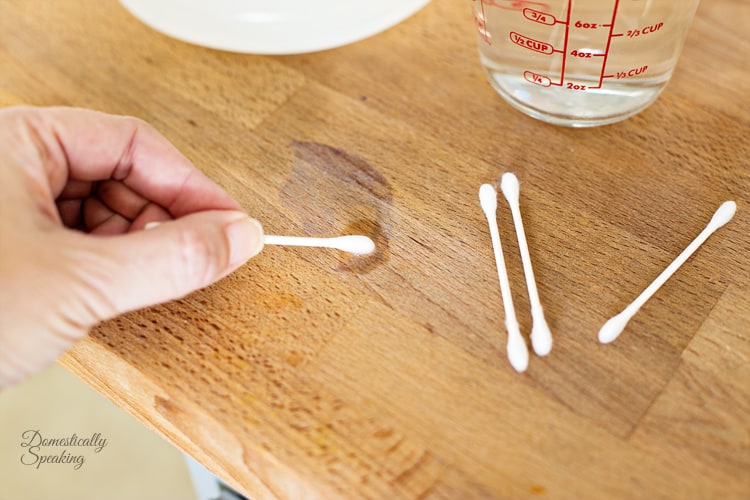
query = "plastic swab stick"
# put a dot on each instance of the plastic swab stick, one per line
(541, 337)
(518, 353)
(612, 328)
(358, 245)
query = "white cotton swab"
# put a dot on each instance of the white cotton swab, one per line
(612, 328)
(541, 337)
(356, 244)
(518, 353)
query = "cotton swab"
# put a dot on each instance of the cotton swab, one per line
(612, 328)
(358, 245)
(541, 337)
(518, 353)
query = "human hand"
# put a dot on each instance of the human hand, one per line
(63, 169)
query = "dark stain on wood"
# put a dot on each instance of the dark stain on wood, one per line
(334, 192)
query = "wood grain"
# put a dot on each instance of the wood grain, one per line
(309, 374)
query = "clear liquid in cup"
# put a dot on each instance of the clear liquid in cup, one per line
(581, 63)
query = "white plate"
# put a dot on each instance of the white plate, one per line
(272, 26)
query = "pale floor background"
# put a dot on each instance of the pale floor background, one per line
(136, 464)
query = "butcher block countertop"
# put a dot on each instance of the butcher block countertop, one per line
(311, 374)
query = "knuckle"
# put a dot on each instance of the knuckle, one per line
(198, 260)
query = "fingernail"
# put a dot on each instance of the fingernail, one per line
(245, 236)
(151, 225)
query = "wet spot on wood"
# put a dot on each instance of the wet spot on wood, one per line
(333, 192)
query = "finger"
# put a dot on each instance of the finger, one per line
(114, 225)
(151, 213)
(76, 189)
(95, 213)
(70, 212)
(143, 268)
(100, 146)
(121, 199)
(90, 146)
(99, 219)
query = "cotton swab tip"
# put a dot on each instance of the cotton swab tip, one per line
(518, 353)
(488, 198)
(723, 214)
(356, 244)
(509, 186)
(613, 327)
(541, 337)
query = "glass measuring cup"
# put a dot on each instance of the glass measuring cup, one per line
(581, 63)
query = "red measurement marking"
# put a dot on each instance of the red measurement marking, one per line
(530, 43)
(540, 80)
(542, 17)
(588, 26)
(565, 48)
(645, 31)
(631, 72)
(585, 55)
(539, 17)
(609, 41)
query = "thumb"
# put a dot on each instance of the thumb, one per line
(167, 262)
